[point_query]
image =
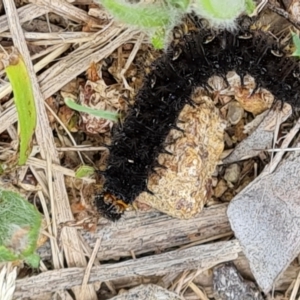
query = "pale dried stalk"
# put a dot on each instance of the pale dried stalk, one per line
(53, 38)
(11, 130)
(50, 57)
(87, 272)
(82, 148)
(53, 241)
(67, 10)
(288, 139)
(8, 117)
(79, 60)
(25, 13)
(198, 292)
(48, 50)
(204, 256)
(8, 277)
(295, 288)
(189, 278)
(130, 60)
(36, 162)
(89, 252)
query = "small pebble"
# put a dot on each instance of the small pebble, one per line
(232, 173)
(235, 112)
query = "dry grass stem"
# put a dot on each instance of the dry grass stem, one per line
(81, 148)
(25, 13)
(90, 265)
(67, 10)
(65, 129)
(295, 288)
(289, 137)
(8, 277)
(36, 162)
(197, 291)
(57, 257)
(130, 59)
(53, 38)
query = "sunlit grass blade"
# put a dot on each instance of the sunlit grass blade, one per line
(108, 115)
(296, 41)
(24, 100)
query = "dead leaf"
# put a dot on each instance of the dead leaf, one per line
(92, 73)
(257, 103)
(68, 117)
(265, 219)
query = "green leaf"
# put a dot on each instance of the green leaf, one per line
(296, 41)
(33, 260)
(20, 224)
(158, 38)
(141, 15)
(23, 96)
(108, 115)
(84, 171)
(250, 7)
(221, 9)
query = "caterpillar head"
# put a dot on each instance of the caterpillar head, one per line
(110, 206)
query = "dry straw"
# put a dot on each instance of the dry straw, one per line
(7, 282)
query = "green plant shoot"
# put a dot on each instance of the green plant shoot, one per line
(84, 171)
(250, 6)
(98, 113)
(24, 100)
(158, 38)
(296, 41)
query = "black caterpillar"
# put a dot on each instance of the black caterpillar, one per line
(167, 89)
